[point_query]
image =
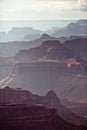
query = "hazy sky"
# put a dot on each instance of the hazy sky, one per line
(42, 9)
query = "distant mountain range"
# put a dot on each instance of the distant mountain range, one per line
(73, 29)
(17, 34)
(9, 49)
(27, 33)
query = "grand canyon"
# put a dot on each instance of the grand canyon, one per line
(43, 78)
